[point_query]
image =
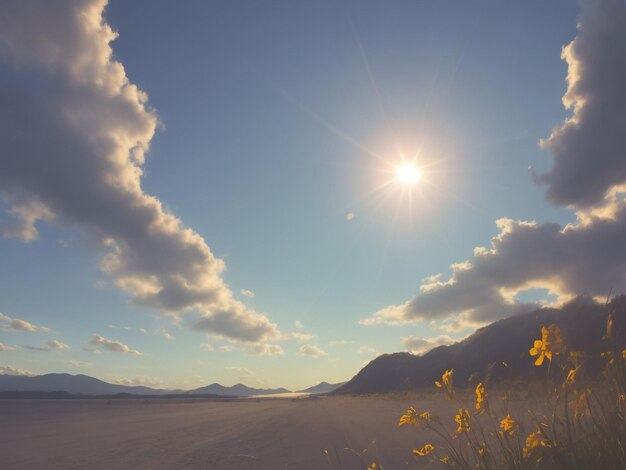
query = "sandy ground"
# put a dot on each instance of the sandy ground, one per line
(250, 434)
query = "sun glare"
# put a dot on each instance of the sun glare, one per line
(408, 174)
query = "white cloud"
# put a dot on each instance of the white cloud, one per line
(227, 348)
(110, 345)
(247, 293)
(265, 349)
(74, 133)
(298, 324)
(422, 345)
(349, 216)
(54, 344)
(297, 336)
(366, 350)
(207, 347)
(312, 350)
(10, 370)
(8, 323)
(5, 348)
(141, 381)
(129, 328)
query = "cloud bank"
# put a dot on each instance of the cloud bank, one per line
(74, 133)
(588, 175)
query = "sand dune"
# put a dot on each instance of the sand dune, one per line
(246, 434)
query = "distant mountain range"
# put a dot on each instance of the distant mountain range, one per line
(323, 387)
(499, 350)
(238, 390)
(81, 384)
(85, 385)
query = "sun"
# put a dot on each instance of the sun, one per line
(408, 174)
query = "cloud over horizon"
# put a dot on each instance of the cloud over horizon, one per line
(75, 132)
(588, 176)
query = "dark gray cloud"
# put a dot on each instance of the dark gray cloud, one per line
(589, 147)
(74, 132)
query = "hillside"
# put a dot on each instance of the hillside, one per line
(582, 323)
(322, 387)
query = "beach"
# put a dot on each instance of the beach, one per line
(239, 434)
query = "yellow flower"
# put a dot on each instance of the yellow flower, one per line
(481, 397)
(550, 343)
(413, 418)
(624, 354)
(571, 376)
(427, 449)
(534, 440)
(508, 424)
(410, 417)
(445, 459)
(374, 466)
(462, 418)
(446, 381)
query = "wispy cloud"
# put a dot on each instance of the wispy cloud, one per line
(9, 323)
(142, 381)
(247, 293)
(266, 349)
(10, 370)
(5, 348)
(111, 345)
(76, 363)
(312, 350)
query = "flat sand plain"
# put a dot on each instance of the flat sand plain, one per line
(242, 434)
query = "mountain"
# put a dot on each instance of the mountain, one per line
(238, 390)
(499, 350)
(85, 385)
(322, 387)
(81, 384)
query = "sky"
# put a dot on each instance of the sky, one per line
(206, 192)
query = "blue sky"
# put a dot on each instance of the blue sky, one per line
(276, 121)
